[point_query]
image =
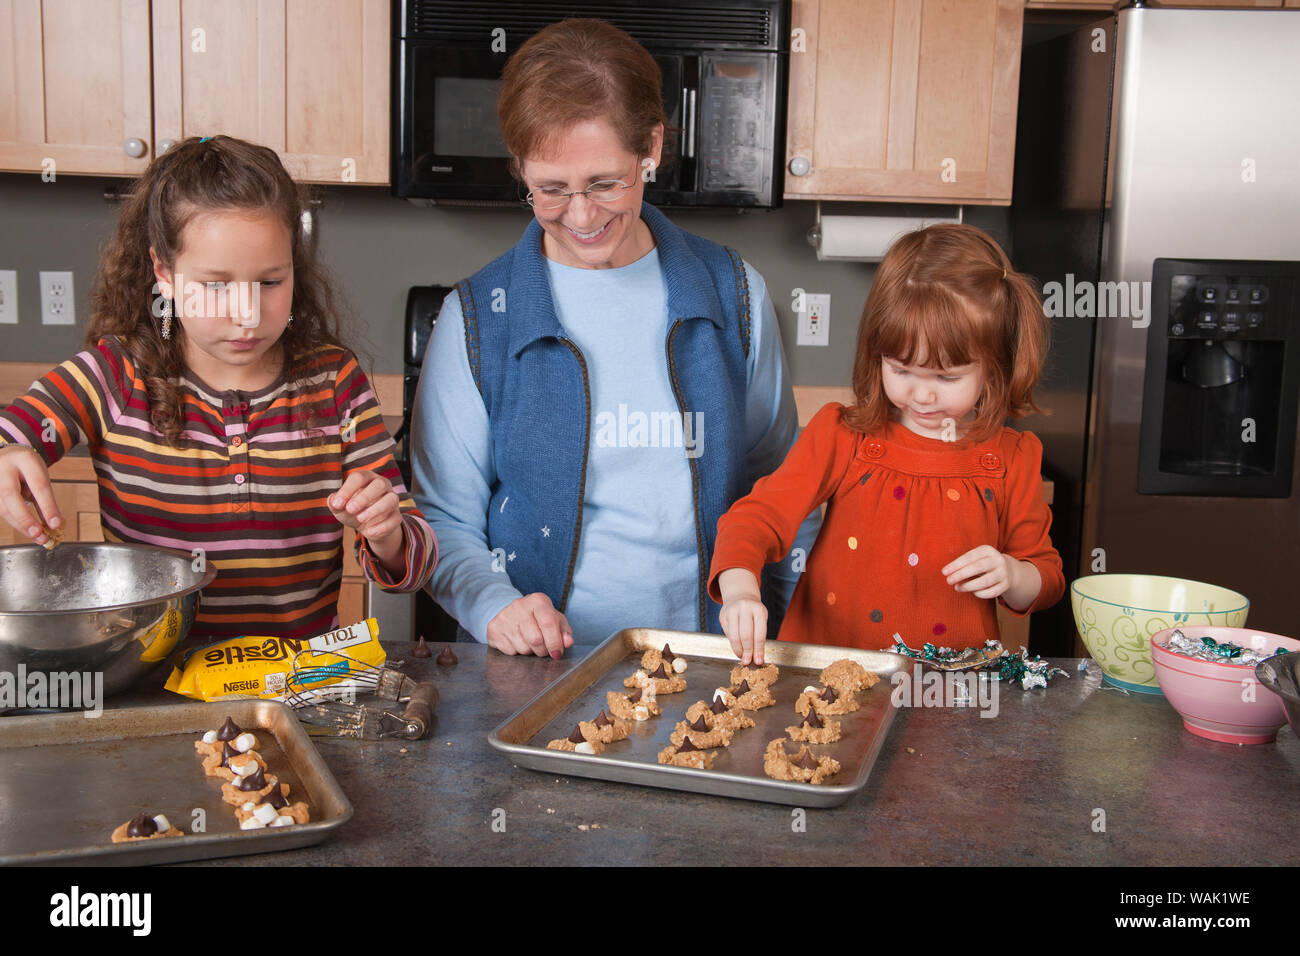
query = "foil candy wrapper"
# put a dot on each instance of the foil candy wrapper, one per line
(1219, 652)
(1029, 672)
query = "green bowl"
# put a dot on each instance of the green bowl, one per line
(1116, 615)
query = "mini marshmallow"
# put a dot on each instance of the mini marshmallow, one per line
(648, 691)
(641, 713)
(249, 807)
(162, 823)
(244, 743)
(721, 692)
(810, 689)
(266, 813)
(252, 823)
(210, 737)
(283, 821)
(679, 664)
(243, 768)
(584, 748)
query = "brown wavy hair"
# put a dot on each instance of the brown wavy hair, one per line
(950, 293)
(578, 70)
(196, 176)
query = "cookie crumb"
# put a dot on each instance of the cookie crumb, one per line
(583, 827)
(402, 751)
(911, 750)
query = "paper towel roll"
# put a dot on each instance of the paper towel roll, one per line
(865, 238)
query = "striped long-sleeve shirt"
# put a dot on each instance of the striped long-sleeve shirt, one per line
(247, 483)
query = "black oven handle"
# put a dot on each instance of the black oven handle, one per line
(688, 123)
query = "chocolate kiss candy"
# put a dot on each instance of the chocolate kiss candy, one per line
(808, 761)
(667, 654)
(699, 724)
(634, 695)
(276, 799)
(719, 706)
(660, 673)
(421, 648)
(686, 746)
(812, 720)
(576, 737)
(447, 657)
(828, 695)
(142, 826)
(742, 689)
(254, 781)
(601, 720)
(227, 752)
(229, 730)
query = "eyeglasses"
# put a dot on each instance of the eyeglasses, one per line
(552, 197)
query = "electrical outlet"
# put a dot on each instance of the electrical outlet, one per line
(57, 303)
(8, 297)
(815, 319)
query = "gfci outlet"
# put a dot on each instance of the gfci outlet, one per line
(815, 319)
(57, 306)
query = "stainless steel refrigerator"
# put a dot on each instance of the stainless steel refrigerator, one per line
(1157, 197)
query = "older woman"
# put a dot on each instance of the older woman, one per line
(596, 398)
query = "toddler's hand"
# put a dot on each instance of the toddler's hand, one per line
(743, 616)
(984, 570)
(368, 503)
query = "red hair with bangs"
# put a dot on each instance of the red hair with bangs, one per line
(579, 70)
(948, 295)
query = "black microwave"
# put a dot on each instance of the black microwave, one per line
(724, 64)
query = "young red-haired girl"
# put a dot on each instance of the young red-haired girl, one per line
(934, 508)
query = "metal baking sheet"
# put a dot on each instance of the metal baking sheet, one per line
(69, 781)
(738, 769)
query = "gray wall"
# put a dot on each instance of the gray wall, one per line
(377, 246)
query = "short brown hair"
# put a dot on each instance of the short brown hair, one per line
(578, 70)
(950, 292)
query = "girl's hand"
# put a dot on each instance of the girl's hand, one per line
(530, 625)
(24, 478)
(368, 503)
(743, 616)
(984, 570)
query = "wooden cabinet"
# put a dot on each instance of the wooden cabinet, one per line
(308, 78)
(903, 100)
(1107, 5)
(74, 86)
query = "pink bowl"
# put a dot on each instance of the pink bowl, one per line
(1221, 701)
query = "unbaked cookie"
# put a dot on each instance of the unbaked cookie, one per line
(253, 787)
(753, 698)
(705, 731)
(804, 767)
(825, 701)
(673, 663)
(659, 679)
(632, 706)
(733, 718)
(233, 765)
(765, 675)
(813, 730)
(687, 755)
(145, 827)
(846, 676)
(602, 729)
(577, 742)
(269, 812)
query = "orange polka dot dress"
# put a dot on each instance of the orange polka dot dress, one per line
(899, 508)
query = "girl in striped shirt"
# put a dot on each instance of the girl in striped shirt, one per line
(222, 412)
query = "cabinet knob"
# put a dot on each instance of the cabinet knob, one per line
(165, 144)
(800, 166)
(134, 147)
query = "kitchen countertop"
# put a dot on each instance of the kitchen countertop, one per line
(1076, 774)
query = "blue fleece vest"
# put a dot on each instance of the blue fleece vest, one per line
(534, 382)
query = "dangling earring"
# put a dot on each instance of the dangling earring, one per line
(290, 322)
(167, 319)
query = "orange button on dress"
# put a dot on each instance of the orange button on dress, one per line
(899, 508)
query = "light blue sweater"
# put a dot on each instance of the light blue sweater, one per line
(637, 561)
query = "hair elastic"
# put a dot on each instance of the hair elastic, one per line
(206, 138)
(1004, 273)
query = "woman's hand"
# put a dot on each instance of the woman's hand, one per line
(530, 625)
(743, 616)
(24, 478)
(368, 503)
(989, 573)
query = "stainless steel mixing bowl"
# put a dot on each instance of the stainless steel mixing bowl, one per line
(119, 609)
(1281, 675)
